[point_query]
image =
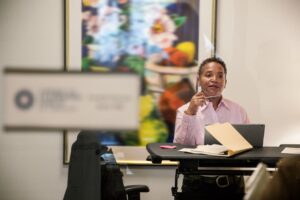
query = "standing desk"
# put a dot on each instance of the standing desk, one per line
(240, 164)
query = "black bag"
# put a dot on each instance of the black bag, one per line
(111, 178)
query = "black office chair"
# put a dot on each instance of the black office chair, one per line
(94, 174)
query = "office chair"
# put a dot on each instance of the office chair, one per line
(94, 174)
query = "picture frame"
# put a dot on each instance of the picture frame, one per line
(131, 155)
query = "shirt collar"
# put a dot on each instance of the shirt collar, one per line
(223, 102)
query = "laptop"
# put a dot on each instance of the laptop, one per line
(253, 133)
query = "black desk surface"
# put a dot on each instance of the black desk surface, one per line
(267, 155)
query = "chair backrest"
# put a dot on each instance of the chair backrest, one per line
(91, 176)
(84, 168)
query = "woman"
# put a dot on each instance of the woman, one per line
(208, 106)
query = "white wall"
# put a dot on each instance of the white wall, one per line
(31, 162)
(259, 40)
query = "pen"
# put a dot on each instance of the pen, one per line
(211, 97)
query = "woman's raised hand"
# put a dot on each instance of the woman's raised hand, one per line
(197, 100)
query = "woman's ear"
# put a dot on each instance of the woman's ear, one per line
(225, 83)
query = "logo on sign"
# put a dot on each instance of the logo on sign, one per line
(24, 99)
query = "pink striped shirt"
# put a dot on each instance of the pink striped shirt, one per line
(189, 129)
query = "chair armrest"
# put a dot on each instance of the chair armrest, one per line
(133, 191)
(136, 188)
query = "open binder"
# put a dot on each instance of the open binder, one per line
(229, 137)
(231, 142)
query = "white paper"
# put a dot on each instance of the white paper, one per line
(214, 150)
(291, 150)
(255, 184)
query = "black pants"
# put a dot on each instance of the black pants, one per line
(216, 187)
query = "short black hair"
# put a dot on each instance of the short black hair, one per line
(212, 59)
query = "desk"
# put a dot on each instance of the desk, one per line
(240, 164)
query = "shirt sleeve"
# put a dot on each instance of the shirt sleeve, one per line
(244, 115)
(187, 131)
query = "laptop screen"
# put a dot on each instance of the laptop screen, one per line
(253, 133)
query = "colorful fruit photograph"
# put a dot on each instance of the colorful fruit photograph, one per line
(125, 36)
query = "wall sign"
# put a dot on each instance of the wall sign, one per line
(71, 100)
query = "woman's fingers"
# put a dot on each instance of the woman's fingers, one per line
(198, 99)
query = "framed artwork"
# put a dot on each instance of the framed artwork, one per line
(163, 41)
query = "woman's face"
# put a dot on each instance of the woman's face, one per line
(212, 79)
